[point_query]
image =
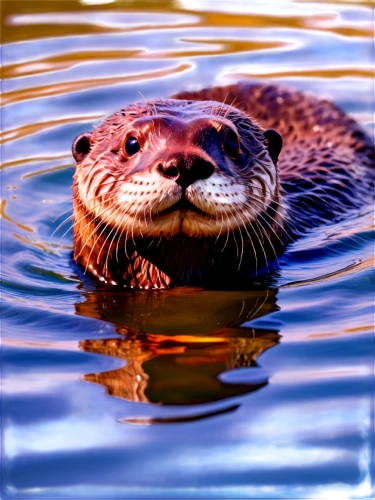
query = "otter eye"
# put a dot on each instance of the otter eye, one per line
(132, 146)
(231, 146)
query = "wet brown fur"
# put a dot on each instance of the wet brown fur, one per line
(324, 173)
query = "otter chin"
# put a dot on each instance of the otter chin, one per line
(193, 191)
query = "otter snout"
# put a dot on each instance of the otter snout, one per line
(185, 169)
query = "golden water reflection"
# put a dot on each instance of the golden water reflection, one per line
(176, 344)
(76, 22)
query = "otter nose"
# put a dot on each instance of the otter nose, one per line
(186, 170)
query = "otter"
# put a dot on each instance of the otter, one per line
(195, 191)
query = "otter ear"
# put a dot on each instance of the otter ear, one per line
(81, 146)
(274, 143)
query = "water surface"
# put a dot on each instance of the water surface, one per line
(264, 393)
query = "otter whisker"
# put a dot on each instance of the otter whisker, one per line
(106, 239)
(62, 213)
(62, 224)
(229, 108)
(261, 244)
(93, 246)
(218, 111)
(149, 105)
(235, 241)
(261, 228)
(77, 205)
(228, 233)
(76, 222)
(254, 250)
(271, 200)
(110, 246)
(90, 214)
(264, 232)
(96, 227)
(151, 212)
(134, 219)
(65, 220)
(269, 225)
(152, 241)
(148, 204)
(242, 245)
(97, 239)
(72, 227)
(125, 247)
(144, 213)
(276, 222)
(120, 236)
(160, 239)
(108, 250)
(221, 227)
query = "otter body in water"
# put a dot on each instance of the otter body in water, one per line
(191, 190)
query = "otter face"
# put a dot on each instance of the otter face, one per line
(166, 167)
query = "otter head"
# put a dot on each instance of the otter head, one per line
(164, 168)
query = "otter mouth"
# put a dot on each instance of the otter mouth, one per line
(183, 205)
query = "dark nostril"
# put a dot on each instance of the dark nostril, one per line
(170, 172)
(202, 170)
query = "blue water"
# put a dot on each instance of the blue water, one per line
(265, 393)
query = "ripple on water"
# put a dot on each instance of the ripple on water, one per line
(261, 393)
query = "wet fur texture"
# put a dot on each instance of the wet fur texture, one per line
(247, 210)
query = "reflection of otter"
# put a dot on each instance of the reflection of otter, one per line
(179, 368)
